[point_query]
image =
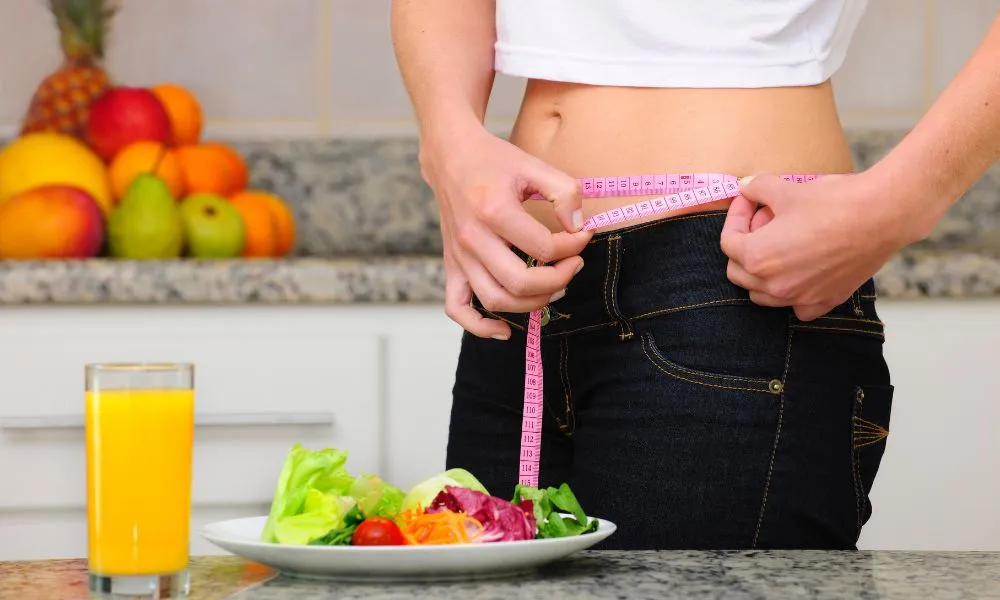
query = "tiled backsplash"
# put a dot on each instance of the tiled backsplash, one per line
(321, 68)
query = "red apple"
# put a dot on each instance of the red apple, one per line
(124, 115)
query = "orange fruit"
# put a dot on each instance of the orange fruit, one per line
(212, 169)
(284, 221)
(270, 229)
(142, 157)
(237, 166)
(261, 232)
(184, 112)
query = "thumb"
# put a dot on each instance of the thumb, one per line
(562, 191)
(768, 190)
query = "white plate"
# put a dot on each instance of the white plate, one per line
(396, 563)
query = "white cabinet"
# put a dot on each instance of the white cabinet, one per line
(266, 377)
(383, 375)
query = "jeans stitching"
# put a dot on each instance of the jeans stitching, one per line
(856, 302)
(496, 316)
(855, 463)
(562, 381)
(851, 319)
(695, 373)
(663, 311)
(867, 433)
(843, 329)
(626, 327)
(661, 363)
(570, 422)
(607, 278)
(777, 438)
(579, 329)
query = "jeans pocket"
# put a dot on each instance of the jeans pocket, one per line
(734, 347)
(869, 435)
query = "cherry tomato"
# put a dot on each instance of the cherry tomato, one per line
(377, 531)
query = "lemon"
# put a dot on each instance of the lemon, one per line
(38, 159)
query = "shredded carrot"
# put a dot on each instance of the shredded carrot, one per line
(445, 527)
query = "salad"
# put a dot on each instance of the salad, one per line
(317, 502)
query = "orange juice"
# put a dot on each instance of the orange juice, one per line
(139, 446)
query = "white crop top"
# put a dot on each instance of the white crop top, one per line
(675, 43)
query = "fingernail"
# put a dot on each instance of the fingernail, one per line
(500, 336)
(578, 220)
(744, 181)
(557, 295)
(579, 268)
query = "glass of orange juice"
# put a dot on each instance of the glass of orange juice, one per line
(140, 433)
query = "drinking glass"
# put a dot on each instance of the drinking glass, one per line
(140, 432)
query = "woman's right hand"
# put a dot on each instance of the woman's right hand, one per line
(480, 182)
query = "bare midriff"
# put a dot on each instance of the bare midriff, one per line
(591, 131)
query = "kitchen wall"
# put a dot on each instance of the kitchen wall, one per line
(319, 68)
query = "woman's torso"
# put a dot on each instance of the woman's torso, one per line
(653, 86)
(595, 131)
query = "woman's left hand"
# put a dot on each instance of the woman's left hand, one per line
(811, 245)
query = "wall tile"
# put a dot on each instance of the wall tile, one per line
(885, 67)
(251, 59)
(959, 28)
(305, 68)
(29, 50)
(365, 81)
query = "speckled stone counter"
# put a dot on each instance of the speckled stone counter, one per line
(368, 231)
(297, 281)
(912, 274)
(591, 576)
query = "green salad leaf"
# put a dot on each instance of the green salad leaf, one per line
(375, 497)
(341, 536)
(547, 505)
(315, 496)
(424, 492)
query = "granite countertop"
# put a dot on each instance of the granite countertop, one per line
(591, 575)
(911, 274)
(368, 231)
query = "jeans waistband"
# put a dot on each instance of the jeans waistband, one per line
(645, 270)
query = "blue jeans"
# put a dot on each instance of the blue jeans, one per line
(680, 410)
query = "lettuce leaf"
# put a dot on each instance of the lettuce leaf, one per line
(548, 503)
(315, 495)
(426, 491)
(375, 497)
(305, 474)
(341, 536)
(320, 513)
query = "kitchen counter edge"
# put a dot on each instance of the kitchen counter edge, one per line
(911, 274)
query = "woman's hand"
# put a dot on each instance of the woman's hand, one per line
(813, 244)
(480, 183)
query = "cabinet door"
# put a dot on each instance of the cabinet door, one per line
(265, 379)
(421, 365)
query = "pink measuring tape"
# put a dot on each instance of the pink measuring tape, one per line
(677, 191)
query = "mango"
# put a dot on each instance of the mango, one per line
(40, 159)
(51, 222)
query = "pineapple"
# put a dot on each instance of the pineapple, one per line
(62, 101)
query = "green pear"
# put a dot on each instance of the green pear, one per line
(146, 224)
(213, 227)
